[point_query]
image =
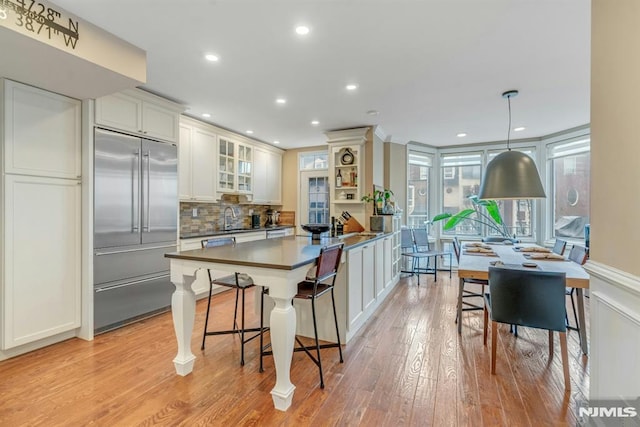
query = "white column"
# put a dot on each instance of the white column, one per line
(183, 309)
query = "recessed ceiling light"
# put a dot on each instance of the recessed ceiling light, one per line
(351, 87)
(249, 131)
(211, 57)
(302, 30)
(461, 135)
(207, 115)
(315, 122)
(281, 101)
(521, 128)
(373, 112)
(276, 142)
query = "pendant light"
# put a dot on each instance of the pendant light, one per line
(511, 174)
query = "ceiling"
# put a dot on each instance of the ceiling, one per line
(430, 68)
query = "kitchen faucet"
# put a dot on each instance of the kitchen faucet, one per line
(233, 215)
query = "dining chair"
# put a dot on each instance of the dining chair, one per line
(322, 283)
(423, 247)
(559, 247)
(240, 282)
(577, 254)
(465, 294)
(527, 298)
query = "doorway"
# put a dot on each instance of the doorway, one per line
(314, 197)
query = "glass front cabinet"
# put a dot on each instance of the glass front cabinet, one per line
(235, 172)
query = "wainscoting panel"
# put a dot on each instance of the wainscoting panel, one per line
(615, 333)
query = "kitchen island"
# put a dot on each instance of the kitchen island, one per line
(278, 264)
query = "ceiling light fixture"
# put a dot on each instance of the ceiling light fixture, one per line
(511, 174)
(302, 30)
(276, 142)
(250, 132)
(351, 87)
(281, 101)
(373, 112)
(519, 129)
(206, 115)
(211, 57)
(461, 135)
(315, 122)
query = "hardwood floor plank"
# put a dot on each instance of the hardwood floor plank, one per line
(406, 366)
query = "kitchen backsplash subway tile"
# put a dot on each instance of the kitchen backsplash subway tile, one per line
(210, 216)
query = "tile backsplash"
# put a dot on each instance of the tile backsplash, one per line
(210, 216)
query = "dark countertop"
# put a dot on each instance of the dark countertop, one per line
(286, 253)
(232, 231)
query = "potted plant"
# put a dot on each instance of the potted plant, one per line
(485, 212)
(381, 205)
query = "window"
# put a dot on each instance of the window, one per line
(460, 179)
(518, 215)
(418, 176)
(310, 161)
(570, 166)
(318, 196)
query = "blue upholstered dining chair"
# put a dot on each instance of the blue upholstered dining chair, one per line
(423, 247)
(577, 254)
(529, 298)
(559, 247)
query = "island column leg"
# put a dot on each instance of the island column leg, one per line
(183, 309)
(283, 329)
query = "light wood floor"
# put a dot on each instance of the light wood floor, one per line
(407, 366)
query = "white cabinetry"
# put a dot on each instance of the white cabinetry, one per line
(396, 253)
(380, 266)
(42, 227)
(32, 115)
(235, 166)
(196, 160)
(139, 112)
(267, 177)
(361, 285)
(41, 217)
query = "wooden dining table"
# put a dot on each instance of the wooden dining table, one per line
(476, 266)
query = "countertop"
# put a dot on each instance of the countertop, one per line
(232, 231)
(286, 253)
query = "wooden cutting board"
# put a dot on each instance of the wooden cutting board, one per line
(287, 218)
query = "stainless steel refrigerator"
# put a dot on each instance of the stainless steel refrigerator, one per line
(135, 224)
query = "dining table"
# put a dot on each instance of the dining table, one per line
(475, 265)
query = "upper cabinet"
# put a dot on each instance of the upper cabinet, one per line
(213, 162)
(29, 122)
(141, 113)
(235, 166)
(196, 162)
(267, 177)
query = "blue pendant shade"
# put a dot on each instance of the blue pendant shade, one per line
(511, 175)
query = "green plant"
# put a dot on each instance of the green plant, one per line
(379, 199)
(486, 212)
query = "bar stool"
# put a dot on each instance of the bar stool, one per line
(311, 289)
(240, 282)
